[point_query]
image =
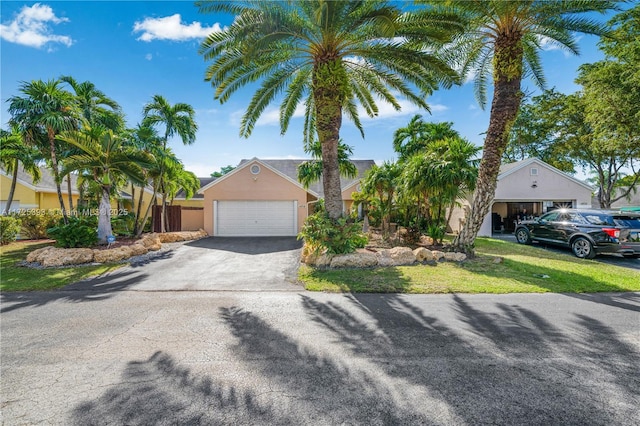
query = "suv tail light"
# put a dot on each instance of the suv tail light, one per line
(613, 233)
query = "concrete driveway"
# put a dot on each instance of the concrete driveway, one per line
(240, 264)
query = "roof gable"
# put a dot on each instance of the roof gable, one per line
(511, 168)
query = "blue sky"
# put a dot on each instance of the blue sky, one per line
(132, 50)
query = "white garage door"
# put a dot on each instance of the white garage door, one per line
(255, 218)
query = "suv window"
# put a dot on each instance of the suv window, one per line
(627, 221)
(577, 218)
(549, 216)
(599, 219)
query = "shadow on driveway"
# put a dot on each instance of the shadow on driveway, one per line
(248, 245)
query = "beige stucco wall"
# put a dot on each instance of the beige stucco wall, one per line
(551, 186)
(23, 197)
(243, 185)
(192, 202)
(192, 218)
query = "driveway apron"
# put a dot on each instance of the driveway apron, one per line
(215, 264)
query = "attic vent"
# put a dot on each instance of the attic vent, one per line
(255, 169)
(534, 171)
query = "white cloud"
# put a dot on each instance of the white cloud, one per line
(548, 45)
(201, 170)
(386, 110)
(148, 56)
(172, 28)
(31, 27)
(271, 117)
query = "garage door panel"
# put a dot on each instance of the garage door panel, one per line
(255, 218)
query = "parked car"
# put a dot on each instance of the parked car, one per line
(586, 232)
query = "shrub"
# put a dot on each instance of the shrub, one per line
(36, 222)
(9, 229)
(122, 225)
(335, 236)
(79, 232)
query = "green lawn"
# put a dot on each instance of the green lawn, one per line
(19, 278)
(522, 271)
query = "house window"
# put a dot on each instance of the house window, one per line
(255, 169)
(534, 171)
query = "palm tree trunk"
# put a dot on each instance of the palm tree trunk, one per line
(327, 98)
(104, 217)
(69, 192)
(504, 109)
(56, 173)
(138, 224)
(146, 215)
(12, 189)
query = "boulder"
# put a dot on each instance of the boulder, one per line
(39, 254)
(455, 257)
(318, 259)
(172, 237)
(422, 254)
(359, 259)
(437, 255)
(427, 241)
(137, 249)
(498, 260)
(72, 256)
(151, 240)
(395, 256)
(112, 255)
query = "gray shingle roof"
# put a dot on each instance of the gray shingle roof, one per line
(289, 167)
(47, 182)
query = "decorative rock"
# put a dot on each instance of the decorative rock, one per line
(62, 257)
(137, 249)
(151, 240)
(395, 256)
(498, 260)
(360, 259)
(172, 237)
(455, 257)
(427, 241)
(437, 255)
(39, 254)
(319, 260)
(422, 254)
(112, 255)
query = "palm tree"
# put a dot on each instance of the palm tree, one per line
(45, 109)
(414, 138)
(329, 56)
(13, 153)
(310, 171)
(96, 107)
(105, 155)
(179, 120)
(502, 40)
(381, 182)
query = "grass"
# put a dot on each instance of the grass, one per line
(20, 278)
(523, 270)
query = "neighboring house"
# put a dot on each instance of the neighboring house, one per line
(264, 198)
(42, 195)
(524, 189)
(192, 210)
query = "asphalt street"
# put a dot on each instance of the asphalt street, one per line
(105, 355)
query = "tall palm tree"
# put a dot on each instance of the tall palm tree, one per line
(329, 56)
(13, 153)
(502, 41)
(45, 108)
(105, 155)
(96, 109)
(381, 182)
(178, 119)
(310, 171)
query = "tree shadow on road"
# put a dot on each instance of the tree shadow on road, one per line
(248, 245)
(89, 290)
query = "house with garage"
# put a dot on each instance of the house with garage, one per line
(265, 198)
(524, 189)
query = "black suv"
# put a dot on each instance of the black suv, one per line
(587, 232)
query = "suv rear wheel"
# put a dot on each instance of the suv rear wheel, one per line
(583, 248)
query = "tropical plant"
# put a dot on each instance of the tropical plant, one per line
(177, 120)
(76, 232)
(381, 182)
(14, 153)
(310, 171)
(34, 224)
(417, 135)
(9, 229)
(105, 155)
(44, 110)
(329, 56)
(500, 45)
(323, 234)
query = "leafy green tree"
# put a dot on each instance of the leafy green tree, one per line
(410, 140)
(329, 56)
(500, 45)
(43, 111)
(223, 171)
(15, 153)
(106, 156)
(177, 120)
(310, 171)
